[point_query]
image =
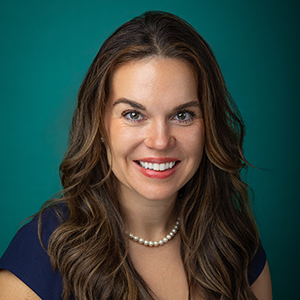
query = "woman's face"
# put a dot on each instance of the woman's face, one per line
(155, 127)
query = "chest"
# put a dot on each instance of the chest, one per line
(163, 271)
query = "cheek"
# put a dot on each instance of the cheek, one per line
(122, 139)
(197, 152)
(194, 146)
(194, 140)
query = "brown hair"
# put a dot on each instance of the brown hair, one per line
(218, 232)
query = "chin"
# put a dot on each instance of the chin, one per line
(159, 196)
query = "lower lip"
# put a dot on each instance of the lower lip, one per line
(157, 174)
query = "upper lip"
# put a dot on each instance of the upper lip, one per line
(158, 160)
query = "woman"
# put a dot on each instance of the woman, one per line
(153, 205)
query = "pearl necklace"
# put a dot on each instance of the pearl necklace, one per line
(156, 243)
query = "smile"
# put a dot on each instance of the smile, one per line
(156, 166)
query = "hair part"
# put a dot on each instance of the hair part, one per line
(218, 231)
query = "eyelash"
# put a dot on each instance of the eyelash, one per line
(186, 111)
(126, 112)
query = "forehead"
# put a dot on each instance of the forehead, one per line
(154, 78)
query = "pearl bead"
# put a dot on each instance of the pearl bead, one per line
(156, 243)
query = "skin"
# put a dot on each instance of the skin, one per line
(12, 288)
(262, 286)
(153, 115)
(143, 121)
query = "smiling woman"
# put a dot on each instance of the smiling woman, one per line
(160, 125)
(153, 205)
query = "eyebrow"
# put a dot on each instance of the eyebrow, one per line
(186, 105)
(142, 107)
(131, 103)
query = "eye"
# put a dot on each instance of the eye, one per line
(133, 116)
(184, 117)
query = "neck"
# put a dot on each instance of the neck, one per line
(149, 219)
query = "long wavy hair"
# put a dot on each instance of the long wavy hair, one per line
(218, 232)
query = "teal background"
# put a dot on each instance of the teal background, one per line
(46, 48)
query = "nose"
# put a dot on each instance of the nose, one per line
(159, 136)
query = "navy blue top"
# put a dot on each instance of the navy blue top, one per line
(26, 259)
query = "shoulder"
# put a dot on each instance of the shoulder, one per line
(11, 287)
(262, 287)
(257, 264)
(26, 258)
(27, 237)
(259, 275)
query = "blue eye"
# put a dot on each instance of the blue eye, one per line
(132, 116)
(184, 117)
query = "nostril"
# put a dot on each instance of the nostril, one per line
(159, 141)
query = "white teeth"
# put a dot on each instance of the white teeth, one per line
(156, 166)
